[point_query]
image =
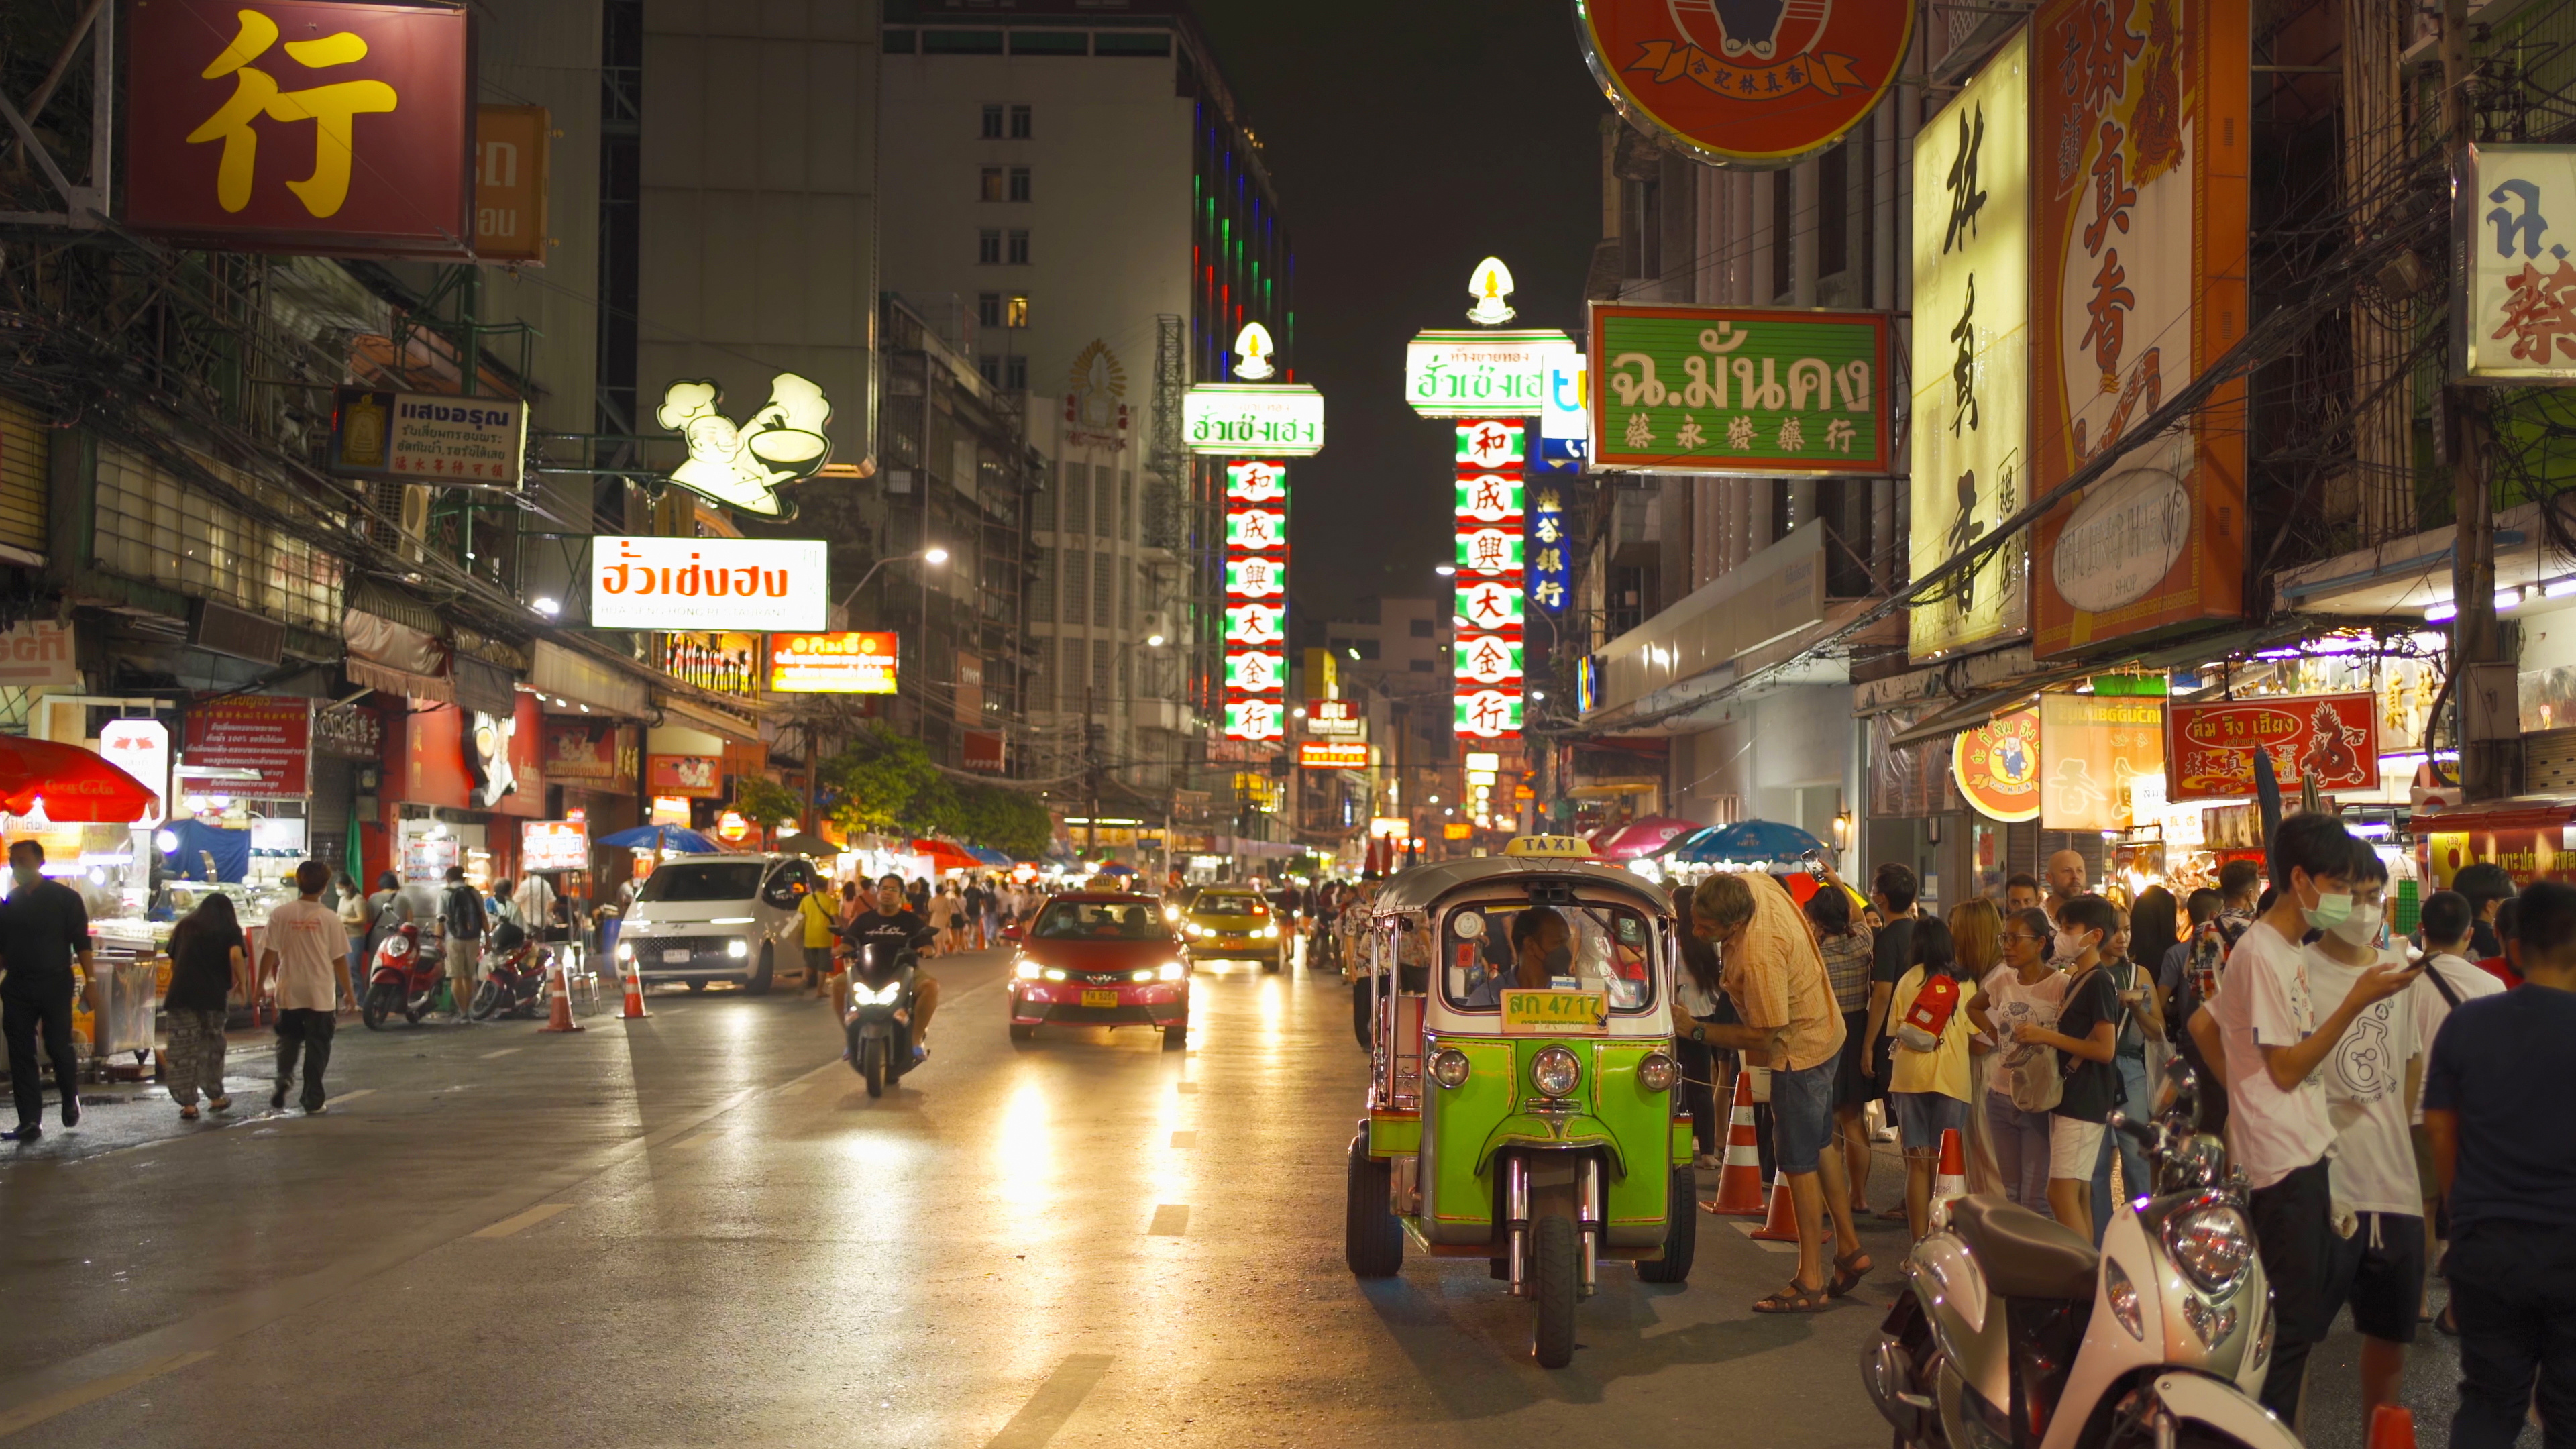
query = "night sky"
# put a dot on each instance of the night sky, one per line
(1408, 140)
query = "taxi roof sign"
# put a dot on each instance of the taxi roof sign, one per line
(1549, 847)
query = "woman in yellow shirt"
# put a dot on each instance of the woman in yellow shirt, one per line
(1928, 1067)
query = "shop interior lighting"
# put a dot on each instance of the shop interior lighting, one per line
(2558, 588)
(2439, 612)
(1445, 570)
(2507, 598)
(547, 607)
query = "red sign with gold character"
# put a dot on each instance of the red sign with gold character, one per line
(1997, 766)
(301, 125)
(1746, 82)
(2209, 748)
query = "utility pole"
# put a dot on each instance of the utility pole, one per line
(1090, 777)
(2473, 623)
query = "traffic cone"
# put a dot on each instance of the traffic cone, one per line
(2392, 1426)
(1950, 1179)
(634, 994)
(559, 1010)
(1739, 1183)
(1782, 1225)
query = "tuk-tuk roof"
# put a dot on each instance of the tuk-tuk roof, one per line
(1417, 888)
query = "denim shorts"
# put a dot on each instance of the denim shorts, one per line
(1802, 1113)
(1921, 1118)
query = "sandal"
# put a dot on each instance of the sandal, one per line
(1848, 1271)
(2448, 1324)
(188, 1113)
(1794, 1299)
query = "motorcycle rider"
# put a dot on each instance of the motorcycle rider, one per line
(892, 915)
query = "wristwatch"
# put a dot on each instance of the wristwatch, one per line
(1699, 1034)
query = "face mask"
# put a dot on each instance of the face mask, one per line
(1559, 960)
(26, 873)
(2359, 928)
(2331, 910)
(2070, 944)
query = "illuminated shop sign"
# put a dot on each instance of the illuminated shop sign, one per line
(1486, 658)
(744, 465)
(452, 442)
(749, 584)
(843, 663)
(1256, 612)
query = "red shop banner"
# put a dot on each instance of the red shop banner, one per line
(2209, 748)
(269, 734)
(697, 777)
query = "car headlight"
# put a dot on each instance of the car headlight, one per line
(737, 948)
(1269, 932)
(1054, 975)
(1449, 1068)
(1171, 913)
(1196, 929)
(1145, 975)
(625, 950)
(1173, 971)
(2124, 1300)
(1555, 1071)
(1025, 969)
(1658, 1073)
(2211, 1245)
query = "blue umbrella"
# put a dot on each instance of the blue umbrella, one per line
(989, 856)
(662, 837)
(1745, 840)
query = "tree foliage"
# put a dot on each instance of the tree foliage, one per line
(885, 782)
(765, 802)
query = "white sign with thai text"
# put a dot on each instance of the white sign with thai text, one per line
(708, 583)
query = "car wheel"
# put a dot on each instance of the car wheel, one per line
(758, 982)
(697, 986)
(1681, 1231)
(1024, 1031)
(1270, 965)
(1556, 1284)
(1176, 1037)
(1372, 1239)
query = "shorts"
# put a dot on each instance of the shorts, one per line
(2379, 1270)
(1852, 1087)
(1802, 1114)
(2074, 1148)
(1921, 1118)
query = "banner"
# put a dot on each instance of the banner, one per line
(1739, 390)
(2514, 222)
(268, 734)
(2210, 747)
(2097, 748)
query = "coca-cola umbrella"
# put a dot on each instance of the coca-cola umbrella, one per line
(70, 785)
(1640, 837)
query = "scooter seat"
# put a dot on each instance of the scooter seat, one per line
(2023, 1254)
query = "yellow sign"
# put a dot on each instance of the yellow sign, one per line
(1971, 354)
(1997, 766)
(2101, 751)
(1549, 847)
(1554, 1013)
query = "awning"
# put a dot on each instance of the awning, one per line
(389, 655)
(485, 686)
(682, 710)
(563, 678)
(434, 687)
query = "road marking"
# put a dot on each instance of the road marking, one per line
(1765, 1244)
(93, 1391)
(1038, 1420)
(345, 1098)
(1185, 1139)
(503, 1052)
(1171, 1220)
(701, 1140)
(522, 1221)
(792, 1089)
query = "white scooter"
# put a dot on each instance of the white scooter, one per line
(2014, 1333)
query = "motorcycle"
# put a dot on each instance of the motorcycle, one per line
(403, 977)
(514, 981)
(2015, 1333)
(878, 1020)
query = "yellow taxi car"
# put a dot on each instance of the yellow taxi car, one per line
(1232, 923)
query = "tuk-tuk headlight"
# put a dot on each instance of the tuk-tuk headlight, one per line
(1449, 1067)
(1555, 1071)
(1658, 1073)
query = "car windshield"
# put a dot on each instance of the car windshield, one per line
(1101, 921)
(1610, 949)
(1216, 905)
(730, 881)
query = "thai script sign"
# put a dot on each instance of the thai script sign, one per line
(846, 663)
(511, 155)
(1332, 755)
(1252, 420)
(554, 845)
(1482, 374)
(454, 442)
(2514, 214)
(2105, 761)
(269, 735)
(1739, 390)
(749, 584)
(1754, 85)
(2209, 748)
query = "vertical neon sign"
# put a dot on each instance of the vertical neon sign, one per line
(1492, 559)
(1256, 600)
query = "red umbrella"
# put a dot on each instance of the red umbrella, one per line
(1641, 837)
(944, 856)
(73, 785)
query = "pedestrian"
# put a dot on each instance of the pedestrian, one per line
(818, 922)
(1776, 977)
(2505, 925)
(2148, 935)
(2266, 1035)
(207, 962)
(2450, 978)
(43, 929)
(2506, 1156)
(2065, 883)
(2488, 887)
(2021, 893)
(918, 893)
(2027, 991)
(1696, 994)
(943, 918)
(302, 952)
(533, 902)
(461, 916)
(1850, 949)
(2379, 1258)
(2087, 1032)
(1976, 939)
(1927, 1078)
(1892, 890)
(352, 907)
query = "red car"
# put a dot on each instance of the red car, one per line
(1101, 958)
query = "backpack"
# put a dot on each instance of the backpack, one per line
(1921, 1027)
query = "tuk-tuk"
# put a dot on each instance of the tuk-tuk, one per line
(1522, 1096)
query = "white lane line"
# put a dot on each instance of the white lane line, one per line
(1171, 1220)
(701, 1140)
(1038, 1420)
(503, 1052)
(793, 1089)
(522, 1221)
(74, 1397)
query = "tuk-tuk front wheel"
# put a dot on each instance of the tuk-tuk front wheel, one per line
(1372, 1239)
(1556, 1285)
(1681, 1231)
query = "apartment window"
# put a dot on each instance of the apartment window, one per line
(1019, 248)
(993, 122)
(1104, 580)
(1127, 599)
(1100, 655)
(1015, 374)
(1127, 502)
(1019, 183)
(988, 247)
(990, 367)
(988, 309)
(1077, 585)
(1077, 498)
(1042, 503)
(1418, 666)
(1020, 123)
(1042, 591)
(989, 184)
(1421, 628)
(1015, 310)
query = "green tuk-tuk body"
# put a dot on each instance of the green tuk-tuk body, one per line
(1530, 1125)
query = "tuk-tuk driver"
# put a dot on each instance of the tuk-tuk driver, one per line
(1542, 949)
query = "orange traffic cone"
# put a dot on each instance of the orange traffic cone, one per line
(1950, 1179)
(2392, 1426)
(634, 994)
(1782, 1225)
(559, 1010)
(1739, 1184)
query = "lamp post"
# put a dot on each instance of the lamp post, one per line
(933, 556)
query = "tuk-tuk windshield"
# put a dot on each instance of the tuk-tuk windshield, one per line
(1607, 948)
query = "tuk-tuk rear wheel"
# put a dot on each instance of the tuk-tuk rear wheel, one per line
(1681, 1231)
(1556, 1285)
(1372, 1239)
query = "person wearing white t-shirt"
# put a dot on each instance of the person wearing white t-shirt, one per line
(2263, 1033)
(2451, 975)
(2379, 1258)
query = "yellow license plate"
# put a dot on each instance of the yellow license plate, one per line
(1100, 998)
(1540, 1013)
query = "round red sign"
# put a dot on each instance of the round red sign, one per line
(1748, 83)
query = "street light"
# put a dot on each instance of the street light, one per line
(1444, 570)
(933, 555)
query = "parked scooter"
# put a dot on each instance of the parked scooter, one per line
(514, 979)
(878, 1019)
(404, 976)
(2014, 1333)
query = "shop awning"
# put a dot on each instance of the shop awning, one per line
(563, 679)
(679, 709)
(396, 658)
(485, 686)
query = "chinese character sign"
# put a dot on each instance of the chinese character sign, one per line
(1492, 558)
(1739, 390)
(1256, 600)
(2516, 224)
(2209, 748)
(1971, 351)
(1744, 84)
(302, 125)
(2105, 761)
(1548, 549)
(2138, 250)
